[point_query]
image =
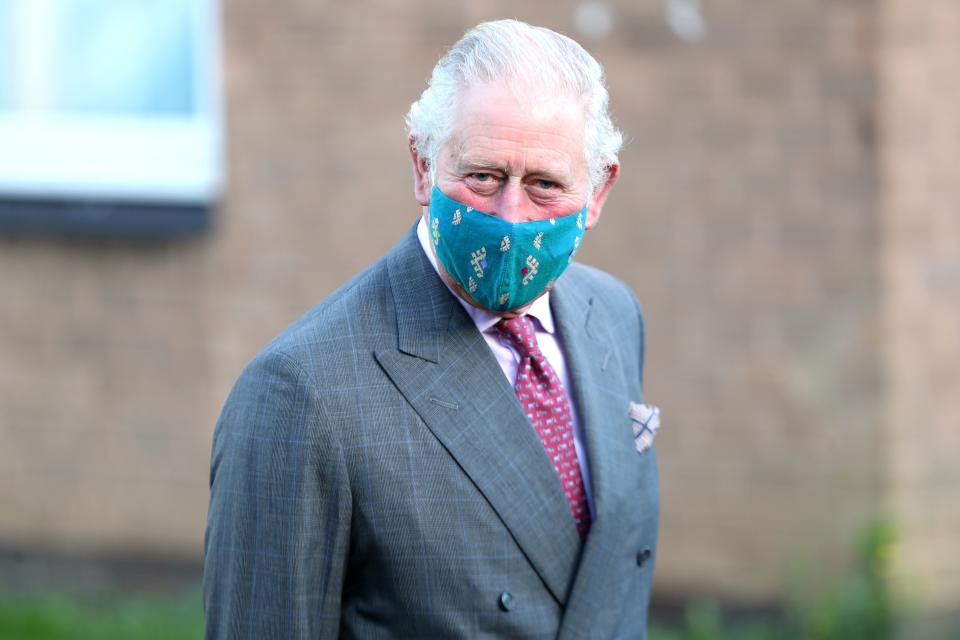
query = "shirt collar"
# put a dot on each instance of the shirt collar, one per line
(485, 320)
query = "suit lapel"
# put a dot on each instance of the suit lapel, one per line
(445, 370)
(602, 402)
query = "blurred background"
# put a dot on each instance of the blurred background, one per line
(181, 179)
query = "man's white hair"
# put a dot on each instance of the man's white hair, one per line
(524, 58)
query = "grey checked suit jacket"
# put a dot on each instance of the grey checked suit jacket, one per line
(373, 475)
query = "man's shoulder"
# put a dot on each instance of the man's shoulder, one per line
(360, 301)
(614, 312)
(359, 314)
(606, 290)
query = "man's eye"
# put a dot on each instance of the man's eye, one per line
(546, 184)
(482, 177)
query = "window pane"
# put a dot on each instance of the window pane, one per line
(124, 56)
(98, 56)
(6, 57)
(110, 99)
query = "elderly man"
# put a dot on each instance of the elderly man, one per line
(453, 444)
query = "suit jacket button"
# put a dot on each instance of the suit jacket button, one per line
(506, 601)
(643, 555)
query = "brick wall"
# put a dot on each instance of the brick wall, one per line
(769, 170)
(920, 263)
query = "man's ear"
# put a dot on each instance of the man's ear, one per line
(422, 184)
(600, 195)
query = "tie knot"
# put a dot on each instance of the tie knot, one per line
(521, 333)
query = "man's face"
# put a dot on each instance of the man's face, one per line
(517, 159)
(518, 162)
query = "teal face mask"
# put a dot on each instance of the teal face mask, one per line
(502, 265)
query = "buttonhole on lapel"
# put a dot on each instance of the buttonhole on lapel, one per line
(444, 403)
(606, 359)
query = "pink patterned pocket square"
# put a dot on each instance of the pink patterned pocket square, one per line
(646, 423)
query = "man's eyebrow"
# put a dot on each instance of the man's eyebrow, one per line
(479, 163)
(467, 165)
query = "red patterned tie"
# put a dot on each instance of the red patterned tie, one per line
(545, 402)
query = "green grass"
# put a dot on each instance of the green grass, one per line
(858, 607)
(63, 618)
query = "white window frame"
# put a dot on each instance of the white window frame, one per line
(155, 158)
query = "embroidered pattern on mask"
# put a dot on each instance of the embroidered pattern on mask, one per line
(479, 260)
(530, 270)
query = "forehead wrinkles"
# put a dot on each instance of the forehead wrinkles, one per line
(548, 135)
(563, 119)
(529, 110)
(492, 126)
(514, 149)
